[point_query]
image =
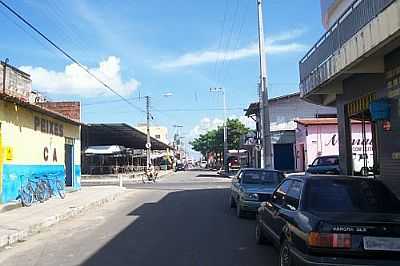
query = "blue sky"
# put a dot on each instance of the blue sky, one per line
(152, 47)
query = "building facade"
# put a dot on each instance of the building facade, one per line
(284, 110)
(158, 132)
(319, 137)
(355, 67)
(35, 143)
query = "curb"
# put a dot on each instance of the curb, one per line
(11, 236)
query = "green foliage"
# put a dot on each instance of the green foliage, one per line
(213, 140)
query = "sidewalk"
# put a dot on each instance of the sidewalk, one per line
(18, 224)
(114, 179)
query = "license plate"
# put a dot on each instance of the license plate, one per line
(381, 243)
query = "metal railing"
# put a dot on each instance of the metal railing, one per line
(359, 14)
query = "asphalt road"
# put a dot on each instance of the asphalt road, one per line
(182, 220)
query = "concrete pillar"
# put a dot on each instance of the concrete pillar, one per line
(344, 132)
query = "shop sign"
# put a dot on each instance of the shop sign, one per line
(48, 126)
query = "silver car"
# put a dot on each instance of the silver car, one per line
(251, 186)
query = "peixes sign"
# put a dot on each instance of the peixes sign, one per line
(48, 126)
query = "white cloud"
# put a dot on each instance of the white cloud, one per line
(75, 81)
(205, 125)
(277, 44)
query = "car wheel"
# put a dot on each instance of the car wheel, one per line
(285, 257)
(232, 202)
(260, 238)
(239, 211)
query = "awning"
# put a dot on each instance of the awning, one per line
(107, 149)
(118, 134)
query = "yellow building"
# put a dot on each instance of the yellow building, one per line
(36, 142)
(157, 132)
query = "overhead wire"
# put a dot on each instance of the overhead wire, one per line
(220, 41)
(238, 38)
(224, 52)
(71, 58)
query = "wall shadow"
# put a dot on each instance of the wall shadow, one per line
(191, 227)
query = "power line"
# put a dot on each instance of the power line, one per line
(220, 41)
(69, 56)
(197, 109)
(229, 40)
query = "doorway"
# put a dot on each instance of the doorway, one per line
(69, 164)
(284, 157)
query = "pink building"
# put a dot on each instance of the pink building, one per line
(319, 137)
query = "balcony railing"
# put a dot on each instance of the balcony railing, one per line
(359, 14)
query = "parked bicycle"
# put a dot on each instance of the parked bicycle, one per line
(55, 186)
(34, 190)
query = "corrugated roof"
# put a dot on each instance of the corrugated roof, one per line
(253, 107)
(118, 134)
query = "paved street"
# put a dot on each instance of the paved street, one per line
(183, 220)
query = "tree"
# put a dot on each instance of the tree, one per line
(213, 140)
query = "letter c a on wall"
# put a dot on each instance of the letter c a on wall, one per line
(46, 154)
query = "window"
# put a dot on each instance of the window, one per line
(350, 195)
(280, 194)
(158, 136)
(326, 161)
(293, 195)
(261, 177)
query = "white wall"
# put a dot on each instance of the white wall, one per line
(283, 112)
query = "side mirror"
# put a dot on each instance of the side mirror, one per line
(310, 165)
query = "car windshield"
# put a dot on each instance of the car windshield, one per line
(326, 161)
(350, 195)
(261, 177)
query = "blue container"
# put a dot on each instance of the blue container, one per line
(380, 109)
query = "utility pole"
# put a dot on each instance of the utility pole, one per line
(148, 142)
(266, 150)
(222, 90)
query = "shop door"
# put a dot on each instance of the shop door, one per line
(69, 164)
(283, 157)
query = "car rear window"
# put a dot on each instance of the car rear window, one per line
(328, 161)
(352, 195)
(261, 177)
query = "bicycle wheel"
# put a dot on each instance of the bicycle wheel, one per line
(26, 197)
(46, 190)
(60, 188)
(40, 191)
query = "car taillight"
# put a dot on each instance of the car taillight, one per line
(328, 240)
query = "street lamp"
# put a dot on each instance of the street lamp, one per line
(222, 90)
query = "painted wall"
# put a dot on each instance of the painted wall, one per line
(284, 111)
(33, 145)
(321, 140)
(157, 132)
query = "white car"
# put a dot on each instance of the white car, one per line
(203, 164)
(358, 163)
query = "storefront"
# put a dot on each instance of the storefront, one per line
(319, 137)
(374, 99)
(35, 143)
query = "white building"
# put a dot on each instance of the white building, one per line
(355, 67)
(284, 110)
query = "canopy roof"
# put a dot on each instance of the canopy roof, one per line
(108, 149)
(118, 134)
